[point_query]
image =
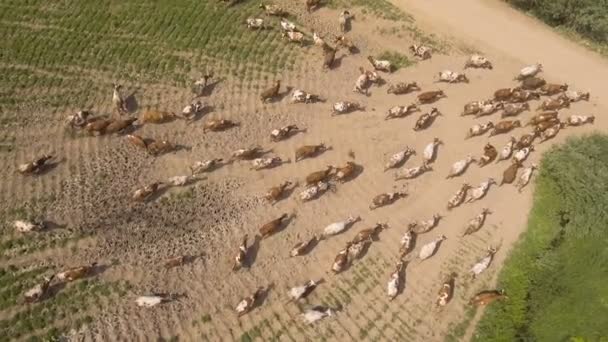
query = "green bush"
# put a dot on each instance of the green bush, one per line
(556, 275)
(586, 17)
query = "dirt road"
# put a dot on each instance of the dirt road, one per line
(502, 30)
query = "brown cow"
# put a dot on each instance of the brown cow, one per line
(486, 297)
(489, 154)
(309, 151)
(273, 226)
(509, 175)
(431, 96)
(505, 127)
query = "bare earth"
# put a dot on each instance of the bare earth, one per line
(93, 184)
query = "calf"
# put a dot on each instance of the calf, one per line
(343, 20)
(302, 248)
(342, 41)
(294, 37)
(431, 96)
(35, 166)
(254, 23)
(478, 62)
(23, 226)
(247, 304)
(329, 56)
(300, 96)
(271, 93)
(421, 51)
(489, 154)
(318, 40)
(346, 172)
(312, 4)
(380, 65)
(75, 273)
(362, 83)
(449, 76)
(287, 25)
(39, 291)
(445, 294)
(486, 297)
(118, 100)
(143, 194)
(345, 107)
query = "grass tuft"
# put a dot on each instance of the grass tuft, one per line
(397, 59)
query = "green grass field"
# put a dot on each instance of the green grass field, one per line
(557, 274)
(65, 50)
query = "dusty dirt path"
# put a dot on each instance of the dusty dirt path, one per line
(504, 31)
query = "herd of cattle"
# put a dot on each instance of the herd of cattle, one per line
(511, 101)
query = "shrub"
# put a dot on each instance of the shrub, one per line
(555, 275)
(586, 17)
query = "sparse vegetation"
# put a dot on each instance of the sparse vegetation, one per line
(380, 8)
(556, 275)
(35, 322)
